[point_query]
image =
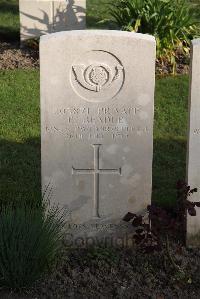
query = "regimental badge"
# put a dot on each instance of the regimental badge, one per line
(100, 77)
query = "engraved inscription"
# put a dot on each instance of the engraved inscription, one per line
(197, 131)
(100, 80)
(96, 171)
(86, 123)
(96, 77)
(94, 132)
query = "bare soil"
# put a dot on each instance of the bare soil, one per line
(181, 68)
(12, 57)
(118, 273)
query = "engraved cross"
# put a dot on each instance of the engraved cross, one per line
(96, 171)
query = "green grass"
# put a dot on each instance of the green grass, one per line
(195, 4)
(20, 136)
(98, 14)
(170, 135)
(9, 19)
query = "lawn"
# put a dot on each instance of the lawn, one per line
(98, 14)
(9, 20)
(170, 135)
(20, 136)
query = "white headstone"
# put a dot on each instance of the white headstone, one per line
(193, 158)
(39, 17)
(97, 104)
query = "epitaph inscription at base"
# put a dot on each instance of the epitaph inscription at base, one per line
(97, 103)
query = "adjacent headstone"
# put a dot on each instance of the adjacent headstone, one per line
(97, 104)
(193, 159)
(39, 17)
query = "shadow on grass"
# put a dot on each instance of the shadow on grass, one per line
(9, 34)
(20, 171)
(9, 25)
(169, 166)
(7, 7)
(21, 179)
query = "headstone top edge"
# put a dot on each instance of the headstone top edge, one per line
(96, 33)
(196, 42)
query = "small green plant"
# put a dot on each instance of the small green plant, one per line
(29, 242)
(172, 22)
(109, 255)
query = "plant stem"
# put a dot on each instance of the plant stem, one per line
(176, 267)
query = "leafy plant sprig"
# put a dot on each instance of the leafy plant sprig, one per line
(152, 229)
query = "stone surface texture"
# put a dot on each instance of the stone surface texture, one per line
(97, 105)
(193, 157)
(39, 17)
